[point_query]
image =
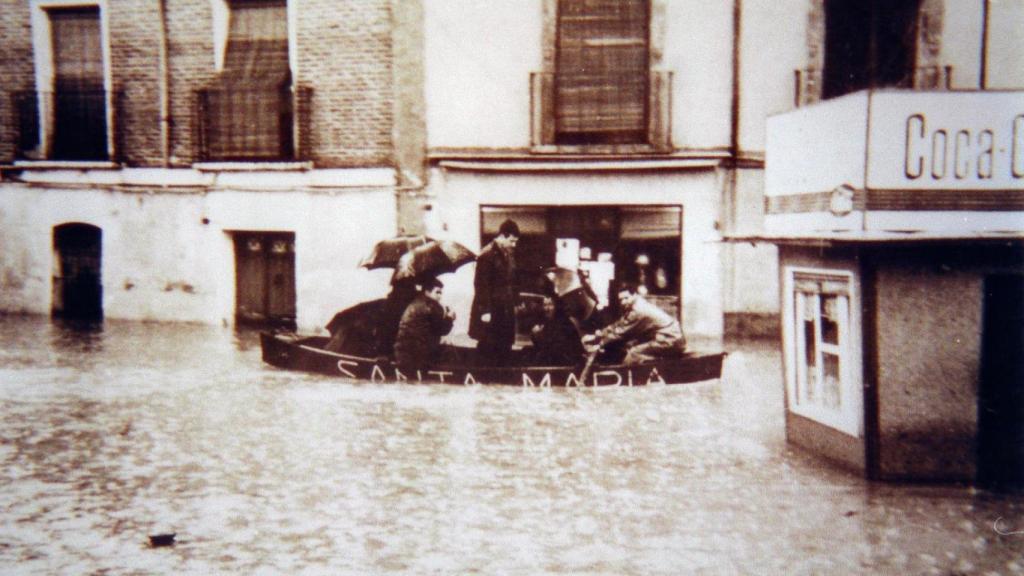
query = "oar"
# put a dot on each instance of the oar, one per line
(590, 363)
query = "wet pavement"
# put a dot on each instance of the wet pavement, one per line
(110, 436)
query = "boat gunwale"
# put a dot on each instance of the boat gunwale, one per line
(302, 343)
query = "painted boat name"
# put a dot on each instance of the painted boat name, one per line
(601, 378)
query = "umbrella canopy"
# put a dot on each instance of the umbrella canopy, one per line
(575, 292)
(435, 257)
(386, 253)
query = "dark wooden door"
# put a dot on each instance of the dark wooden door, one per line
(265, 278)
(1001, 391)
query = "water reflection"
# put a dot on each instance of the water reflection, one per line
(133, 429)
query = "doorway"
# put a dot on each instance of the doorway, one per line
(1001, 390)
(77, 287)
(265, 278)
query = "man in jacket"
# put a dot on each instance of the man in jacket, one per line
(647, 331)
(423, 324)
(493, 319)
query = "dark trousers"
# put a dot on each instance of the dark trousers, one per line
(493, 349)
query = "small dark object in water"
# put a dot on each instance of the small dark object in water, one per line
(160, 540)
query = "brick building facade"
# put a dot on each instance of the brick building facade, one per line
(171, 192)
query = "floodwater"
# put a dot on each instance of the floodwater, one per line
(110, 436)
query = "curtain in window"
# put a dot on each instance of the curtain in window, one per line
(257, 50)
(249, 112)
(78, 125)
(602, 71)
(77, 52)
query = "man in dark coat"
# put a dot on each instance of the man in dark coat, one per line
(493, 319)
(556, 342)
(423, 324)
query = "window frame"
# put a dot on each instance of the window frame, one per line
(571, 45)
(659, 129)
(848, 416)
(46, 70)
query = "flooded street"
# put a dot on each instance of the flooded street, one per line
(138, 429)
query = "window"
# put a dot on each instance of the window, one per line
(66, 117)
(601, 72)
(822, 369)
(599, 89)
(610, 244)
(248, 112)
(869, 44)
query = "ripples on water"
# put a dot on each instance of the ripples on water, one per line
(113, 434)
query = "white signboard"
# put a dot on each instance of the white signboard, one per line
(946, 140)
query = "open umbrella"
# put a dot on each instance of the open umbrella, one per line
(433, 258)
(386, 253)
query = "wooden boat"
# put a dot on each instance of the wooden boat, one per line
(307, 354)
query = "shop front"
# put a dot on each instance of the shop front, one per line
(652, 228)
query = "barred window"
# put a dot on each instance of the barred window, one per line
(76, 112)
(248, 112)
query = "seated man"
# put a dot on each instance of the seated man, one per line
(423, 324)
(556, 342)
(647, 331)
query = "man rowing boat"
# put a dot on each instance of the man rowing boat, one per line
(647, 331)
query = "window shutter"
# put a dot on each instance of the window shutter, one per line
(602, 71)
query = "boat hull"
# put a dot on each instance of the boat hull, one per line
(307, 355)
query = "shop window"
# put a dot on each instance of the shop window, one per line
(609, 244)
(822, 376)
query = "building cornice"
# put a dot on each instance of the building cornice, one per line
(440, 154)
(827, 238)
(198, 178)
(590, 166)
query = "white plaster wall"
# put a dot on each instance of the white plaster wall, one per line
(161, 262)
(773, 44)
(698, 50)
(818, 147)
(463, 193)
(961, 41)
(751, 272)
(478, 59)
(1006, 44)
(479, 56)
